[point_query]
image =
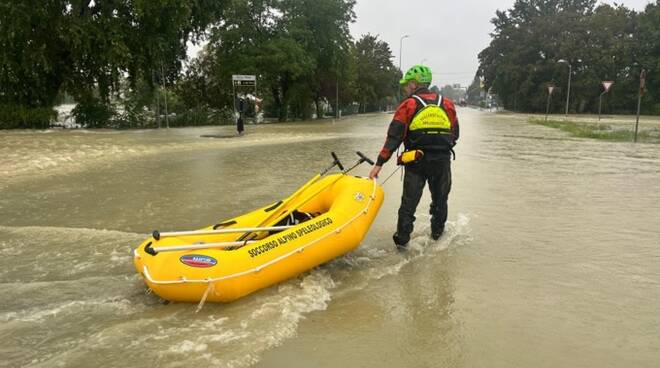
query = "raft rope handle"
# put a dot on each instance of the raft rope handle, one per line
(210, 288)
(300, 249)
(392, 174)
(223, 224)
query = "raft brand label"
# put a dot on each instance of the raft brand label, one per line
(197, 260)
(303, 231)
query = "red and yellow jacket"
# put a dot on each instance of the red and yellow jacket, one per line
(438, 146)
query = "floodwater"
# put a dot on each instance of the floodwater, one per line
(550, 258)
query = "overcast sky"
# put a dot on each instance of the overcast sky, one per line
(445, 35)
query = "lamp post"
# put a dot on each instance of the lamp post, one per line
(401, 48)
(400, 52)
(570, 73)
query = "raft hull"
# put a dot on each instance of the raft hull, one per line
(348, 206)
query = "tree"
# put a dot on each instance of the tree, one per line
(474, 92)
(377, 77)
(33, 59)
(296, 47)
(600, 43)
(649, 31)
(86, 47)
(322, 28)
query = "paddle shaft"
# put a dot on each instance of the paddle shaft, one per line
(223, 231)
(176, 248)
(310, 197)
(316, 178)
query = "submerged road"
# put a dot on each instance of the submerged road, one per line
(550, 257)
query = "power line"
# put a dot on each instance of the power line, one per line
(455, 73)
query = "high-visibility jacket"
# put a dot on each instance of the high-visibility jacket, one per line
(431, 128)
(419, 125)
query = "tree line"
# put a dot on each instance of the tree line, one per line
(123, 61)
(600, 42)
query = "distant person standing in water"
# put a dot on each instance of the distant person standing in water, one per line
(240, 106)
(427, 125)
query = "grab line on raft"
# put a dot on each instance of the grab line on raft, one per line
(278, 259)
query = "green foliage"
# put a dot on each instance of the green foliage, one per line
(91, 112)
(474, 91)
(600, 131)
(649, 30)
(86, 47)
(600, 42)
(33, 60)
(300, 50)
(377, 77)
(23, 117)
(115, 58)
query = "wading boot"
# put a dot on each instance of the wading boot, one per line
(401, 241)
(437, 233)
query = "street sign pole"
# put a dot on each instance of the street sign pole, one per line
(642, 85)
(606, 85)
(547, 105)
(568, 93)
(241, 80)
(233, 101)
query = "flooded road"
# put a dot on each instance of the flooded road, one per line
(550, 257)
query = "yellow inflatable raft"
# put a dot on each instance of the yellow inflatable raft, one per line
(224, 262)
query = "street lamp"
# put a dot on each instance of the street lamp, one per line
(570, 73)
(401, 48)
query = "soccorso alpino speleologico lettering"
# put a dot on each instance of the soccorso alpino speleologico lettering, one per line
(305, 230)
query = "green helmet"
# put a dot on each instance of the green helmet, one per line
(419, 73)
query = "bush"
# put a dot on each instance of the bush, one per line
(655, 109)
(24, 117)
(93, 113)
(138, 117)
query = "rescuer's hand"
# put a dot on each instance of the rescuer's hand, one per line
(374, 172)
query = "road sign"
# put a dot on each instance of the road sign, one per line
(245, 83)
(607, 85)
(240, 77)
(551, 89)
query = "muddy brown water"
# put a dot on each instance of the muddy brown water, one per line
(550, 257)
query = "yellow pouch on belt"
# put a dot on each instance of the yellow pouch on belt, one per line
(410, 157)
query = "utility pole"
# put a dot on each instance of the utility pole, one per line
(642, 86)
(162, 77)
(153, 80)
(337, 99)
(570, 74)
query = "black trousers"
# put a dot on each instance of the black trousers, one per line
(239, 125)
(438, 175)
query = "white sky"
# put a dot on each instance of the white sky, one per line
(446, 35)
